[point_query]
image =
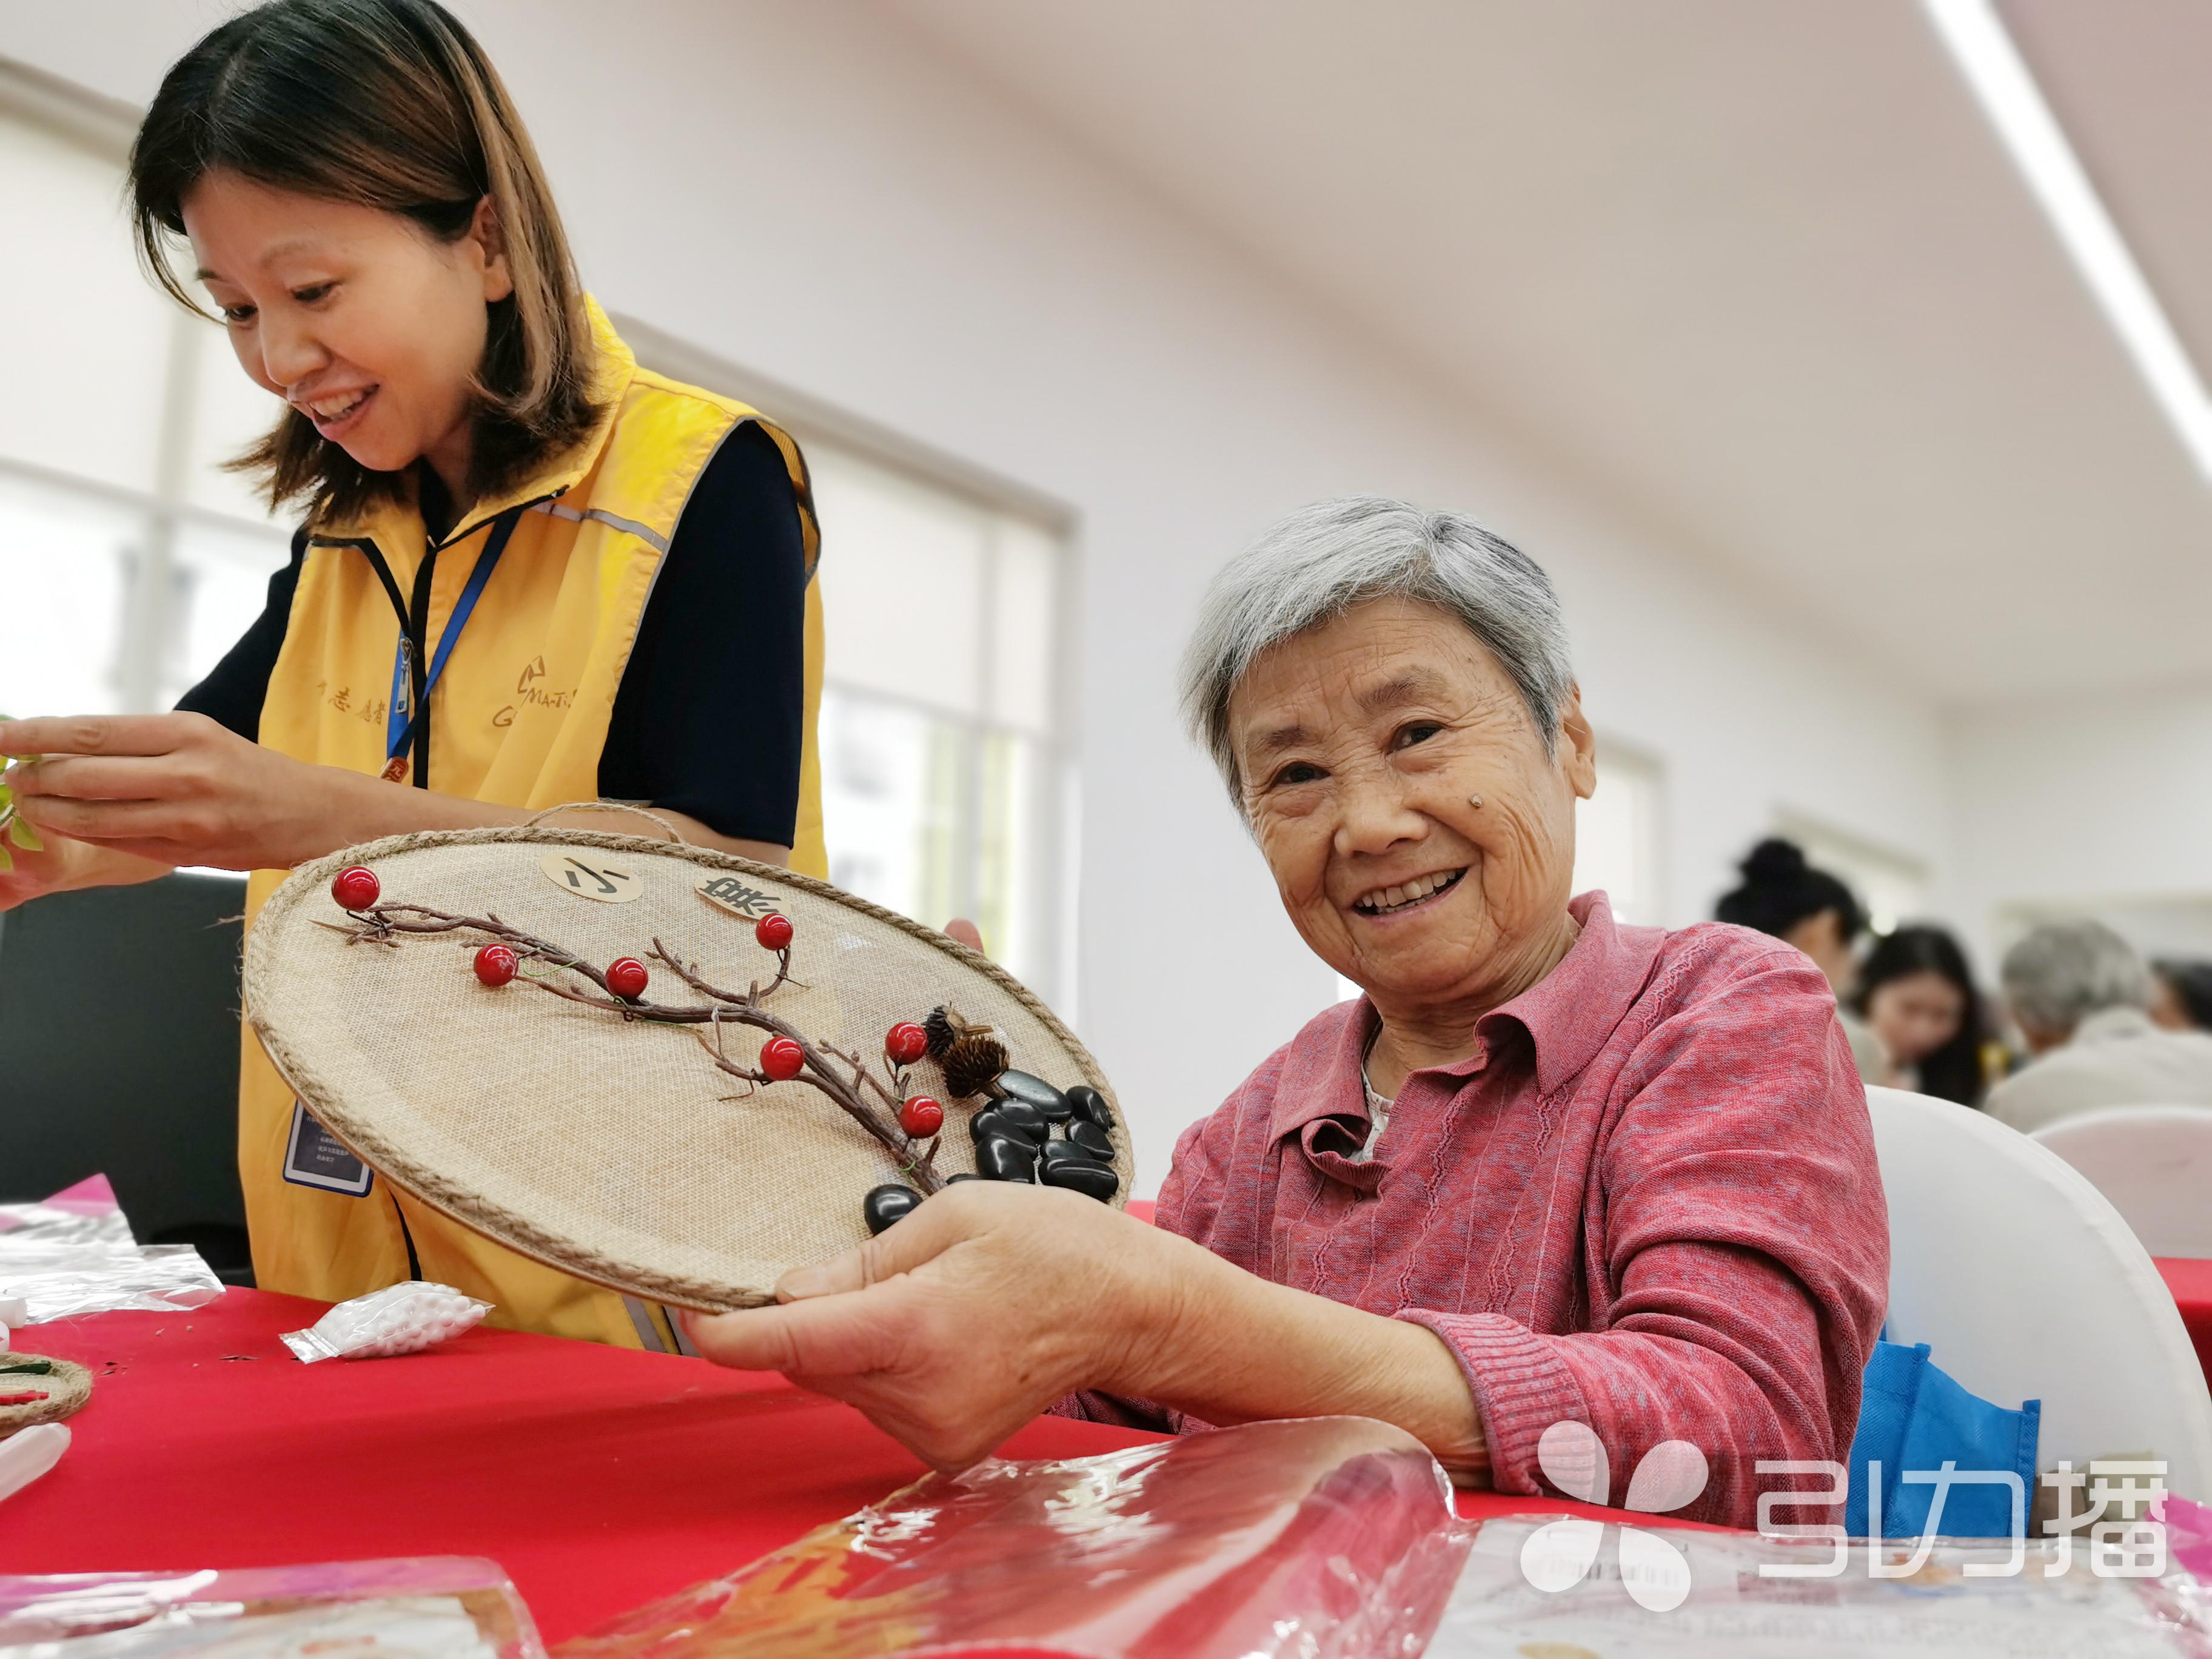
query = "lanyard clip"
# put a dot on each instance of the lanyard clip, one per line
(402, 683)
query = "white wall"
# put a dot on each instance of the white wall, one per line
(2104, 803)
(807, 191)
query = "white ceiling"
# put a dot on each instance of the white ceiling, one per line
(1759, 273)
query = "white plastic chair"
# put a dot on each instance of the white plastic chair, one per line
(2154, 1163)
(2027, 1284)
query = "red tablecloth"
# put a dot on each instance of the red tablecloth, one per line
(2191, 1285)
(600, 1478)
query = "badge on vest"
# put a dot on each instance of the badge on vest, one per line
(316, 1158)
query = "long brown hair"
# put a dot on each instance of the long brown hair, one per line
(388, 104)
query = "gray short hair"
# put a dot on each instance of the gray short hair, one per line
(2064, 972)
(1315, 565)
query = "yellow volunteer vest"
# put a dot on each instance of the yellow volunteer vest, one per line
(519, 717)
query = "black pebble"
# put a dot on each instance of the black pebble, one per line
(965, 1175)
(1011, 1119)
(1023, 1119)
(1090, 1106)
(885, 1205)
(1057, 1152)
(1081, 1175)
(1035, 1091)
(1003, 1158)
(1093, 1139)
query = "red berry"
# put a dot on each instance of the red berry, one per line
(626, 978)
(355, 889)
(774, 931)
(496, 965)
(921, 1116)
(906, 1043)
(782, 1059)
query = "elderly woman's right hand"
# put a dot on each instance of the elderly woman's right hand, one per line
(989, 1302)
(973, 1313)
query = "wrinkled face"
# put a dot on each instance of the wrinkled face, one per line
(1359, 746)
(1916, 1014)
(358, 318)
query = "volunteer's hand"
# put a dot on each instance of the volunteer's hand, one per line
(978, 1310)
(63, 865)
(172, 788)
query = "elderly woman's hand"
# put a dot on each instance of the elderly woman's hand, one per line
(971, 1315)
(989, 1302)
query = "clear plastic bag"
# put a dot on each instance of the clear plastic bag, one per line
(402, 1318)
(1671, 1593)
(62, 1280)
(425, 1608)
(86, 1213)
(1331, 1538)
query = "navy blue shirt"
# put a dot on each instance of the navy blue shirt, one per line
(706, 722)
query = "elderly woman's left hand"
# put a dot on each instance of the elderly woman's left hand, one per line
(971, 1315)
(989, 1302)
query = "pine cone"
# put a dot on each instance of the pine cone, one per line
(972, 1063)
(944, 1027)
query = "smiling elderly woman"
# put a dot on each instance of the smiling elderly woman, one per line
(1548, 1169)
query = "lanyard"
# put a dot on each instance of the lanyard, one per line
(408, 708)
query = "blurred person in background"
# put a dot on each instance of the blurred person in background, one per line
(1917, 994)
(2181, 995)
(2080, 996)
(1783, 896)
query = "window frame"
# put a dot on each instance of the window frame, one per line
(812, 421)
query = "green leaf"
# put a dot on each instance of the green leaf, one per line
(24, 836)
(7, 858)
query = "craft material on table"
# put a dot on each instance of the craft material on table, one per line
(35, 1389)
(1331, 1537)
(437, 1609)
(1663, 1592)
(26, 1455)
(400, 1319)
(74, 1254)
(728, 1070)
(600, 1478)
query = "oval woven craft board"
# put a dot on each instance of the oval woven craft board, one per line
(616, 1149)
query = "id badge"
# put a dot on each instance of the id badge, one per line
(316, 1158)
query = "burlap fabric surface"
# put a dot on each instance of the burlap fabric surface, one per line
(66, 1389)
(616, 1149)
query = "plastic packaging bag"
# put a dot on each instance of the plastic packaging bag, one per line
(1671, 1593)
(60, 1281)
(403, 1318)
(1325, 1539)
(427, 1607)
(86, 1213)
(74, 1254)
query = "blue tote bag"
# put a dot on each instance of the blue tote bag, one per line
(1913, 1417)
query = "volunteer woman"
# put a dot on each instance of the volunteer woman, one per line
(531, 572)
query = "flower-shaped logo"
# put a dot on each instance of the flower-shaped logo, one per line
(1558, 1554)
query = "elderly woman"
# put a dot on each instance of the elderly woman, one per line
(1548, 1169)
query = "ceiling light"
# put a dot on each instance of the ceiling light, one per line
(1992, 65)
